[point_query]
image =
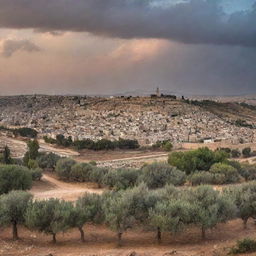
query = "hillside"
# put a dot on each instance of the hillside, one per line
(143, 118)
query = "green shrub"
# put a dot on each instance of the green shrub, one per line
(94, 163)
(246, 152)
(97, 175)
(81, 172)
(196, 160)
(157, 175)
(25, 132)
(14, 177)
(121, 178)
(47, 161)
(201, 178)
(248, 172)
(246, 245)
(168, 146)
(63, 168)
(32, 164)
(36, 174)
(235, 153)
(224, 173)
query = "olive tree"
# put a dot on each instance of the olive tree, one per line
(86, 209)
(50, 216)
(48, 160)
(97, 175)
(63, 168)
(248, 171)
(141, 201)
(14, 177)
(13, 208)
(210, 207)
(81, 172)
(244, 197)
(157, 175)
(171, 215)
(116, 213)
(224, 173)
(121, 178)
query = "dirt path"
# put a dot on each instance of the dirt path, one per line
(50, 187)
(64, 152)
(160, 155)
(133, 162)
(250, 160)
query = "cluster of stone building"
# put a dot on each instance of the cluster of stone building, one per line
(143, 118)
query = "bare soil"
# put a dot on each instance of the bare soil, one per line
(51, 187)
(109, 155)
(101, 241)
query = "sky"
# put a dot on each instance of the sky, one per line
(199, 47)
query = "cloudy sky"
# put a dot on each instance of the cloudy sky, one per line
(112, 46)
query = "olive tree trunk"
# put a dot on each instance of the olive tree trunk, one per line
(15, 231)
(159, 235)
(82, 234)
(54, 240)
(119, 239)
(203, 233)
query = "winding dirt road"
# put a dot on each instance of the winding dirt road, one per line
(50, 187)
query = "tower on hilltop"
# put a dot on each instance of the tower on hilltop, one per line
(158, 92)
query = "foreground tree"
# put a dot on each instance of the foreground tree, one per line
(171, 215)
(13, 208)
(87, 209)
(210, 208)
(50, 216)
(244, 197)
(117, 215)
(141, 200)
(14, 177)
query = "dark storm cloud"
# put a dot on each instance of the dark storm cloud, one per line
(194, 21)
(12, 46)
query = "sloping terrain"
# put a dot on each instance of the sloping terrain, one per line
(143, 118)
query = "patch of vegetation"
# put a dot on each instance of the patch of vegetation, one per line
(23, 132)
(245, 105)
(166, 145)
(102, 144)
(196, 160)
(246, 245)
(14, 177)
(243, 123)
